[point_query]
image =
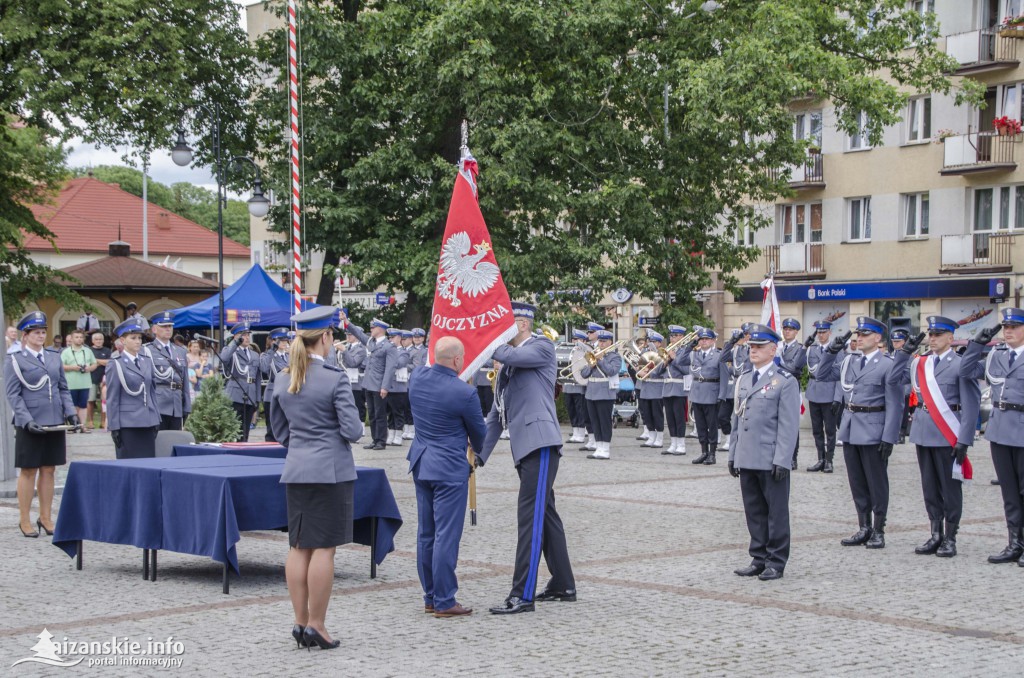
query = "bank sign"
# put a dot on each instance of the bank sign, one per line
(994, 288)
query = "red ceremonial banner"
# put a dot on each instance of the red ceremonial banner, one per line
(470, 301)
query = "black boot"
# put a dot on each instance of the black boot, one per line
(703, 454)
(932, 545)
(795, 453)
(817, 466)
(863, 534)
(1013, 551)
(828, 464)
(948, 548)
(711, 454)
(877, 540)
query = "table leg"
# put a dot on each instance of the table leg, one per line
(225, 579)
(153, 567)
(145, 564)
(373, 547)
(78, 557)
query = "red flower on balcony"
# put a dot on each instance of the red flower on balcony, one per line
(1007, 126)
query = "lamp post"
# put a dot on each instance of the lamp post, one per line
(258, 204)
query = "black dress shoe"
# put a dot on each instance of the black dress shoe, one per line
(561, 596)
(770, 574)
(297, 631)
(39, 524)
(816, 467)
(312, 637)
(751, 571)
(514, 605)
(28, 534)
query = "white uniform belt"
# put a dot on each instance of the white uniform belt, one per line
(674, 381)
(654, 381)
(597, 379)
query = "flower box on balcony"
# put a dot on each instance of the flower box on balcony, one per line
(1012, 32)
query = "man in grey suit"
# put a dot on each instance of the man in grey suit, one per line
(870, 426)
(765, 424)
(170, 369)
(272, 361)
(820, 395)
(353, 357)
(378, 375)
(525, 402)
(241, 367)
(942, 431)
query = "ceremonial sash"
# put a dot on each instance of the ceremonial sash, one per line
(938, 409)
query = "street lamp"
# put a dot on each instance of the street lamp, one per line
(258, 204)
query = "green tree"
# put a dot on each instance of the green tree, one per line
(212, 419)
(620, 143)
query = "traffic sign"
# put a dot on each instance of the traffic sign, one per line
(652, 320)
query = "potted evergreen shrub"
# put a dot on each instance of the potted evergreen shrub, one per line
(213, 420)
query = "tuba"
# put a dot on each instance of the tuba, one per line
(572, 371)
(643, 362)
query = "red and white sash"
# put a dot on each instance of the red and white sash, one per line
(938, 409)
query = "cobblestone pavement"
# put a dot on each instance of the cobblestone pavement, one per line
(654, 541)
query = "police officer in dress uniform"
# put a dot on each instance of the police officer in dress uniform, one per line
(170, 370)
(417, 358)
(133, 314)
(575, 401)
(899, 337)
(38, 394)
(272, 361)
(133, 414)
(378, 376)
(704, 394)
(950, 402)
(792, 356)
(732, 362)
(241, 367)
(398, 389)
(589, 442)
(484, 391)
(602, 389)
(1005, 429)
(820, 395)
(652, 404)
(674, 373)
(524, 402)
(766, 421)
(352, 360)
(871, 423)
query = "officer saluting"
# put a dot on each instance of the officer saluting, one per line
(704, 361)
(352, 359)
(378, 376)
(870, 426)
(1007, 422)
(820, 395)
(272, 361)
(765, 424)
(132, 414)
(170, 370)
(242, 368)
(602, 389)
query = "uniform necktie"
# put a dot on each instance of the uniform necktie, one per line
(40, 356)
(863, 362)
(136, 361)
(753, 382)
(1013, 356)
(936, 361)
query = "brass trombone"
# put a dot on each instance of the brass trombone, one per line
(593, 356)
(678, 344)
(643, 362)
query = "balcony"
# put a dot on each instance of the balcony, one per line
(981, 51)
(978, 152)
(976, 253)
(808, 176)
(796, 261)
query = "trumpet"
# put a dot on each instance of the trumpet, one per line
(550, 332)
(677, 344)
(492, 376)
(593, 356)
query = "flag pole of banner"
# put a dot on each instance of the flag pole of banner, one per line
(471, 301)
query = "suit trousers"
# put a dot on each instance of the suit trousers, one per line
(766, 506)
(359, 395)
(376, 409)
(652, 412)
(1009, 464)
(540, 527)
(905, 421)
(170, 423)
(398, 408)
(441, 510)
(244, 412)
(869, 478)
(705, 417)
(486, 396)
(725, 408)
(600, 413)
(136, 443)
(943, 496)
(675, 415)
(269, 437)
(576, 407)
(823, 425)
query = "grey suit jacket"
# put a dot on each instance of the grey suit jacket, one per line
(1005, 427)
(956, 390)
(526, 385)
(241, 373)
(125, 410)
(353, 358)
(821, 392)
(704, 367)
(317, 425)
(50, 402)
(379, 368)
(271, 362)
(876, 385)
(600, 377)
(674, 374)
(403, 368)
(793, 358)
(418, 356)
(170, 371)
(765, 420)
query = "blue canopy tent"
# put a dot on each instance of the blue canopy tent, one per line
(254, 297)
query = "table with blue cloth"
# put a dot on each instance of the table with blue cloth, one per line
(270, 450)
(200, 505)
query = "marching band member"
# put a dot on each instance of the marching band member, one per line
(651, 402)
(590, 442)
(732, 362)
(674, 374)
(820, 395)
(352, 360)
(242, 368)
(944, 429)
(484, 392)
(417, 358)
(398, 391)
(704, 361)
(132, 414)
(602, 389)
(170, 370)
(38, 394)
(378, 377)
(272, 361)
(575, 402)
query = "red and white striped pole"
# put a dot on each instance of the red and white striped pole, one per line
(293, 114)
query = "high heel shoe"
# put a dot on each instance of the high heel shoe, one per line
(313, 637)
(39, 524)
(28, 534)
(297, 631)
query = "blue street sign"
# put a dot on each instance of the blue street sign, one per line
(652, 320)
(383, 298)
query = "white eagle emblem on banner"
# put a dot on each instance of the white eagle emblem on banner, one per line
(465, 271)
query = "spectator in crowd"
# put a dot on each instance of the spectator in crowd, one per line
(102, 355)
(13, 345)
(79, 363)
(58, 343)
(179, 340)
(118, 347)
(88, 322)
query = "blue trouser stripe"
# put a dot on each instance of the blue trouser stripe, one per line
(540, 501)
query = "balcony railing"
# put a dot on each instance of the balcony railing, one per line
(811, 174)
(796, 260)
(978, 152)
(976, 252)
(982, 50)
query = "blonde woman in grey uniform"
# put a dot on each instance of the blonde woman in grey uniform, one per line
(315, 417)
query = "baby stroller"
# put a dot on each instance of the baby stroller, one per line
(625, 408)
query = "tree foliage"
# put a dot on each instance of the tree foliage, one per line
(212, 419)
(620, 143)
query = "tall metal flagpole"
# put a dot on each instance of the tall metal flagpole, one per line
(463, 152)
(293, 114)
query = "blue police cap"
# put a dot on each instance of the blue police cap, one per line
(899, 334)
(579, 334)
(162, 318)
(594, 327)
(406, 334)
(377, 322)
(394, 332)
(938, 323)
(605, 334)
(128, 327)
(243, 327)
(867, 324)
(318, 318)
(279, 333)
(822, 325)
(523, 310)
(654, 336)
(36, 320)
(746, 327)
(1012, 316)
(763, 334)
(418, 332)
(706, 333)
(790, 323)
(676, 329)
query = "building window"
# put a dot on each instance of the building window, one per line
(210, 275)
(744, 235)
(859, 139)
(1009, 102)
(915, 215)
(860, 219)
(918, 120)
(799, 223)
(1000, 208)
(923, 6)
(807, 127)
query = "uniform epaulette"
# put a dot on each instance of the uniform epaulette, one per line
(783, 373)
(1000, 347)
(50, 349)
(331, 367)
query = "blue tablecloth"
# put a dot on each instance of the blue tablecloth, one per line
(200, 504)
(270, 450)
